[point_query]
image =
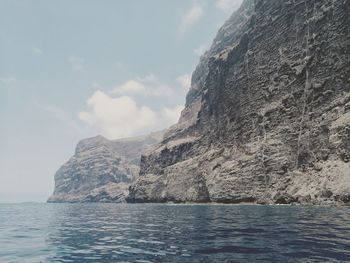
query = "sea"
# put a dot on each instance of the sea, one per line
(40, 232)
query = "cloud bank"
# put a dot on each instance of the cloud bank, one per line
(118, 115)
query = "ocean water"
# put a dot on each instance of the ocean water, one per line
(173, 233)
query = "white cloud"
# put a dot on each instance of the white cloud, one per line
(77, 63)
(191, 17)
(172, 115)
(136, 107)
(37, 51)
(147, 86)
(200, 50)
(117, 117)
(8, 80)
(130, 87)
(184, 81)
(228, 6)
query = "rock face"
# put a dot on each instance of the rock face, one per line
(267, 118)
(101, 170)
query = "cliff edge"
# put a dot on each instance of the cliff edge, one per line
(101, 170)
(267, 118)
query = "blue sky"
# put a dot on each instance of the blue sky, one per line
(75, 69)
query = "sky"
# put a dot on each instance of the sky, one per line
(75, 69)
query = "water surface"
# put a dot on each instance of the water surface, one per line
(173, 233)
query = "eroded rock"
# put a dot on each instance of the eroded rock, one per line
(101, 170)
(267, 114)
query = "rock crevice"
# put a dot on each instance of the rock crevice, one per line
(267, 116)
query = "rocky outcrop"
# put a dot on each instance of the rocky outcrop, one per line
(101, 170)
(267, 118)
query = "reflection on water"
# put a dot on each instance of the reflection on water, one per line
(173, 233)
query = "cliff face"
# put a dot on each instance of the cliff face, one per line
(101, 170)
(267, 118)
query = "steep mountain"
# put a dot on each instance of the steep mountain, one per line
(101, 170)
(267, 118)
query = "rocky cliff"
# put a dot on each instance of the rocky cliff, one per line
(101, 170)
(267, 118)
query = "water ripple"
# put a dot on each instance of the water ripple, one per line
(173, 233)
